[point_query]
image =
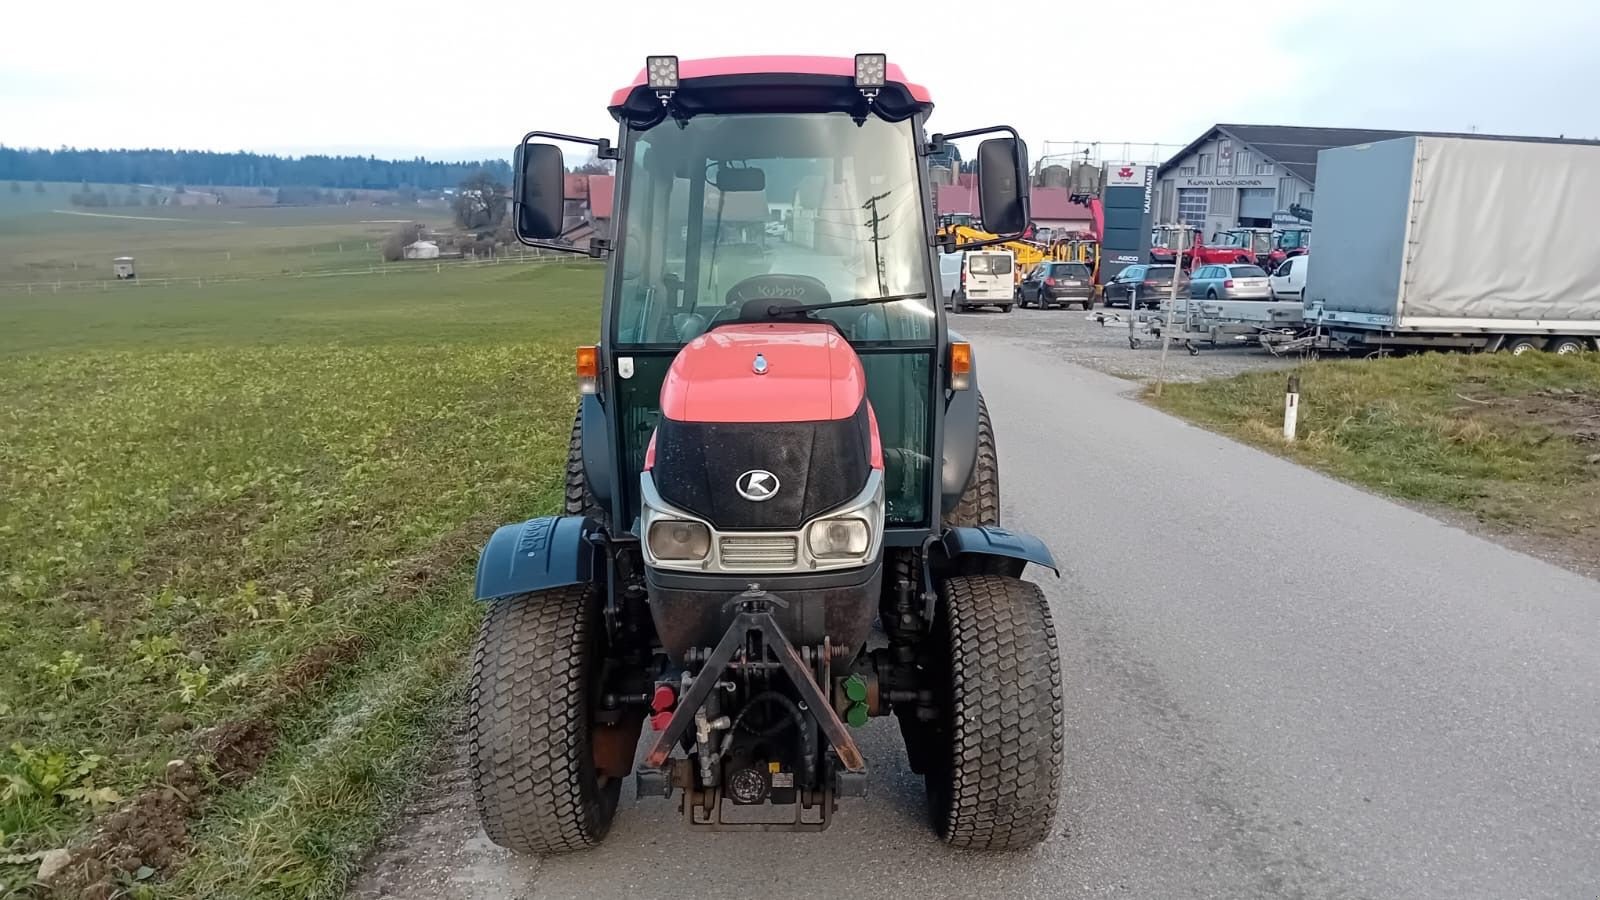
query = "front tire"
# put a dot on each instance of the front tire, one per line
(580, 501)
(535, 669)
(1522, 345)
(994, 782)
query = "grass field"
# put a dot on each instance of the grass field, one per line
(238, 529)
(45, 239)
(1513, 442)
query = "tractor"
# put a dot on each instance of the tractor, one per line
(782, 514)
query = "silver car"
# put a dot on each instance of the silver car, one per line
(1234, 282)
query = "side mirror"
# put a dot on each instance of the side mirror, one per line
(540, 192)
(1003, 185)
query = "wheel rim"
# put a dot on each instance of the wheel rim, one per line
(1567, 348)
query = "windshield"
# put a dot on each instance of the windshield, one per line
(1227, 239)
(1070, 270)
(1291, 240)
(1248, 272)
(1260, 241)
(701, 200)
(1159, 274)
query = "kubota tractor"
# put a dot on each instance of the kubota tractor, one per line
(782, 511)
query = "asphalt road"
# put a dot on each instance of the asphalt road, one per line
(1277, 686)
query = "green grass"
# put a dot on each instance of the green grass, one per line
(258, 504)
(1513, 441)
(47, 240)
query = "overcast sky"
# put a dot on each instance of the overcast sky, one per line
(402, 78)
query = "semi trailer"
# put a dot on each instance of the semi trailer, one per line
(1457, 243)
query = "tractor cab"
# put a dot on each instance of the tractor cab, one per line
(782, 504)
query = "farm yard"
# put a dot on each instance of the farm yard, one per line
(239, 526)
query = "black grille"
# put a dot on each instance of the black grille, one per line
(819, 465)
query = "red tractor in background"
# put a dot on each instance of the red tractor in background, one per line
(782, 492)
(1286, 243)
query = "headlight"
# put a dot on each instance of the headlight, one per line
(678, 539)
(839, 538)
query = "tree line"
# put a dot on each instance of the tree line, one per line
(204, 167)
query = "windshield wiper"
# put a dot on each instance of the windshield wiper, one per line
(778, 310)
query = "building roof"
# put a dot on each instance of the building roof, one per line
(1048, 203)
(600, 195)
(1295, 147)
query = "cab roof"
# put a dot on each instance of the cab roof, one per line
(774, 71)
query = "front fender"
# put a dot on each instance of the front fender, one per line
(996, 550)
(960, 452)
(539, 554)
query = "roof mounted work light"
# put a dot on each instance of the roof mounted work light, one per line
(872, 71)
(661, 73)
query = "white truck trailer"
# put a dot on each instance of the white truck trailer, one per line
(1465, 243)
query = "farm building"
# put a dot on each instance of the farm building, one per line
(1255, 176)
(422, 250)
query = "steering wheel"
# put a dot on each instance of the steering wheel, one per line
(757, 292)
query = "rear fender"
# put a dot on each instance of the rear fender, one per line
(991, 550)
(536, 555)
(960, 439)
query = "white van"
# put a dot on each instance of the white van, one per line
(1289, 281)
(978, 278)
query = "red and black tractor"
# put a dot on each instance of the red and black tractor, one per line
(782, 510)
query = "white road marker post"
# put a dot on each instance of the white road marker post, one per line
(1291, 407)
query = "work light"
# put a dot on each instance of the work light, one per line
(871, 70)
(661, 72)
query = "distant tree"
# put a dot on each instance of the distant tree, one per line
(16, 187)
(594, 165)
(480, 201)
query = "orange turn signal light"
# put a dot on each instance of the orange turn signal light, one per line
(588, 370)
(960, 365)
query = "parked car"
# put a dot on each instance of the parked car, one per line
(1058, 284)
(1236, 282)
(1289, 281)
(1154, 284)
(978, 278)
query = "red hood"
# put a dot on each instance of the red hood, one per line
(812, 375)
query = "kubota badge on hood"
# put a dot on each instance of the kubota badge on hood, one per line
(757, 485)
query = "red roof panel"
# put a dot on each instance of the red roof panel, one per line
(773, 65)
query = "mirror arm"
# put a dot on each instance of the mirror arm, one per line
(603, 148)
(597, 247)
(938, 141)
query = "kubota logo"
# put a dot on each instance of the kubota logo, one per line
(757, 485)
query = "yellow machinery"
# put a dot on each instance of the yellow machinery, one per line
(1028, 255)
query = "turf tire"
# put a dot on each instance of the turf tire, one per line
(980, 502)
(995, 773)
(535, 666)
(580, 501)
